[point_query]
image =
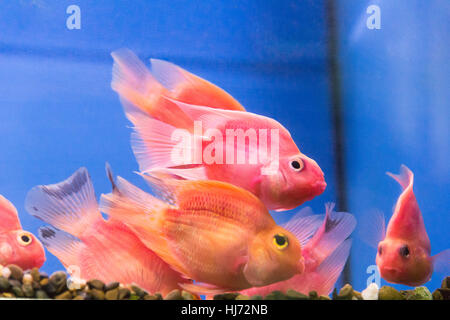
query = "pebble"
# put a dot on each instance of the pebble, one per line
(188, 296)
(41, 294)
(421, 293)
(97, 294)
(294, 295)
(96, 284)
(138, 291)
(6, 272)
(226, 296)
(58, 281)
(174, 295)
(35, 274)
(124, 293)
(389, 293)
(241, 297)
(111, 285)
(112, 294)
(4, 283)
(16, 272)
(371, 292)
(28, 290)
(66, 295)
(27, 278)
(346, 293)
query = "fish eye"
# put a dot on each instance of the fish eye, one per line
(280, 241)
(380, 250)
(296, 164)
(24, 239)
(404, 251)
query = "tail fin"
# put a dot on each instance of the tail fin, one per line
(69, 205)
(405, 178)
(9, 219)
(192, 89)
(61, 244)
(331, 268)
(336, 227)
(136, 86)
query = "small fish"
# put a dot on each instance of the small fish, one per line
(17, 246)
(99, 249)
(266, 161)
(325, 253)
(404, 252)
(215, 233)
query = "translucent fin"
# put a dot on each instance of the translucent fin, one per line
(203, 288)
(190, 88)
(9, 219)
(372, 227)
(336, 227)
(331, 268)
(70, 205)
(61, 244)
(304, 227)
(441, 262)
(194, 173)
(405, 178)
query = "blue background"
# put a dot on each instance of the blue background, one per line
(58, 112)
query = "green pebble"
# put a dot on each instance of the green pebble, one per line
(294, 295)
(159, 296)
(138, 291)
(66, 295)
(4, 284)
(41, 294)
(96, 284)
(256, 297)
(97, 294)
(389, 293)
(28, 290)
(134, 297)
(242, 297)
(150, 297)
(124, 293)
(112, 294)
(323, 297)
(17, 292)
(174, 295)
(421, 293)
(313, 295)
(275, 295)
(226, 296)
(187, 295)
(16, 272)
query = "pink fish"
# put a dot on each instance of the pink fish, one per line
(325, 253)
(17, 246)
(202, 143)
(102, 249)
(404, 252)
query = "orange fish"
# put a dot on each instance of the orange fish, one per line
(404, 252)
(202, 143)
(17, 246)
(100, 249)
(325, 253)
(215, 233)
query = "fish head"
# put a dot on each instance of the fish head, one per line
(274, 255)
(404, 262)
(25, 250)
(298, 179)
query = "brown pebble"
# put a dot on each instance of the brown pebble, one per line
(174, 295)
(16, 272)
(97, 294)
(112, 294)
(111, 285)
(96, 284)
(44, 282)
(66, 295)
(28, 290)
(35, 274)
(150, 297)
(124, 293)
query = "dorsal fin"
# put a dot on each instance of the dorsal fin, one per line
(9, 219)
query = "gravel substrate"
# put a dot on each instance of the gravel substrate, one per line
(15, 283)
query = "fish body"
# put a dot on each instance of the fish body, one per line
(404, 254)
(325, 253)
(215, 233)
(245, 149)
(17, 246)
(96, 248)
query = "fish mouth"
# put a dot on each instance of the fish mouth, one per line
(319, 186)
(390, 272)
